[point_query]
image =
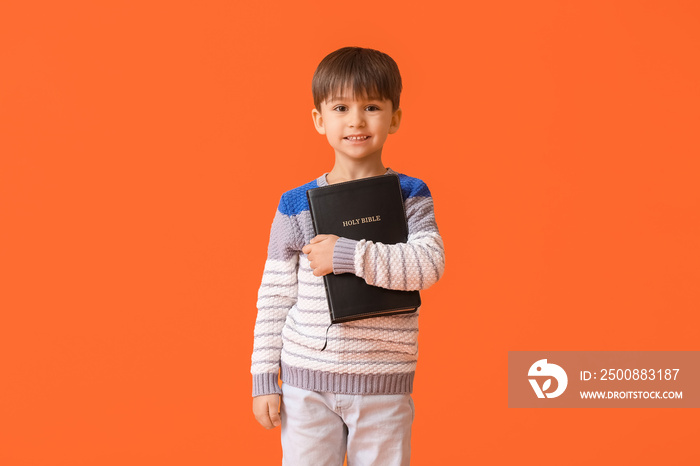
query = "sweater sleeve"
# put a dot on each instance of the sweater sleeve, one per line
(414, 265)
(276, 296)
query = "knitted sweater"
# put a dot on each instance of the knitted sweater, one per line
(370, 356)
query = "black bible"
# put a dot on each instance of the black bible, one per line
(371, 209)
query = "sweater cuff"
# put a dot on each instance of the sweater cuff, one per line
(344, 256)
(266, 384)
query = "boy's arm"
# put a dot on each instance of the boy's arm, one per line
(414, 265)
(277, 294)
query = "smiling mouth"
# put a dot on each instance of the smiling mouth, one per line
(356, 138)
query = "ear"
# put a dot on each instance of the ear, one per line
(395, 121)
(318, 121)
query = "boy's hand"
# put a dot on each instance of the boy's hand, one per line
(320, 254)
(266, 410)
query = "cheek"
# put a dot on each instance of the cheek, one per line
(334, 130)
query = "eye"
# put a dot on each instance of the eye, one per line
(340, 108)
(372, 108)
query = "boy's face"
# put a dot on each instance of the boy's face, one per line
(357, 127)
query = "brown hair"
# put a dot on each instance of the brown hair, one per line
(365, 72)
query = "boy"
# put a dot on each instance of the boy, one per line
(353, 396)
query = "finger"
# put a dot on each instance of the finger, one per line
(306, 249)
(274, 415)
(264, 419)
(318, 239)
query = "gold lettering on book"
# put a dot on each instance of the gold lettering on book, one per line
(357, 221)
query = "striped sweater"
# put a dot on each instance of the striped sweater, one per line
(371, 356)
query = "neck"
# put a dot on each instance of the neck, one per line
(348, 170)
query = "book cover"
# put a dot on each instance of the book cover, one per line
(371, 209)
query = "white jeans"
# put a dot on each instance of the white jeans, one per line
(318, 428)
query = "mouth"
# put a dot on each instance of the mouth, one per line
(356, 138)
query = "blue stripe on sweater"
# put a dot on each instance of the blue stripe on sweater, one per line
(294, 202)
(413, 187)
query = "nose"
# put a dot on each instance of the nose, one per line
(356, 118)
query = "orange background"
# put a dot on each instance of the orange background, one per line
(144, 147)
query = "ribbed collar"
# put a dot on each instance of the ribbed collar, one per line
(322, 181)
